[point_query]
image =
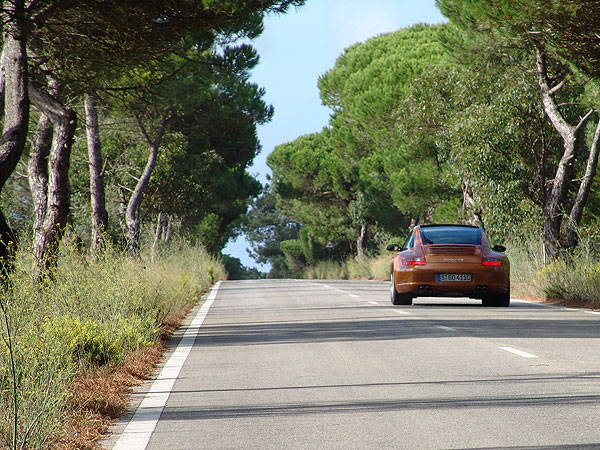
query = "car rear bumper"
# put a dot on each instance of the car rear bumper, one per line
(422, 281)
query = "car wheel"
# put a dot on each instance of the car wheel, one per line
(497, 299)
(399, 299)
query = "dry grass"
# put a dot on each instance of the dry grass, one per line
(100, 395)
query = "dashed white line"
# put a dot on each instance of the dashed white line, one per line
(443, 327)
(373, 303)
(352, 295)
(399, 311)
(516, 351)
(141, 426)
(592, 312)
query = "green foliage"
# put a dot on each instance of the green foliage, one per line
(492, 143)
(265, 227)
(207, 232)
(98, 343)
(566, 27)
(366, 90)
(294, 255)
(237, 271)
(362, 172)
(200, 177)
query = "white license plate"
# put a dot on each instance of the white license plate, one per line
(454, 277)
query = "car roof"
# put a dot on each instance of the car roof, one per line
(448, 225)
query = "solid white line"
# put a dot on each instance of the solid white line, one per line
(518, 352)
(352, 295)
(543, 305)
(443, 327)
(139, 430)
(564, 308)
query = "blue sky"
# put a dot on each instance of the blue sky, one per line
(298, 47)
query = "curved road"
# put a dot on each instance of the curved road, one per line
(301, 364)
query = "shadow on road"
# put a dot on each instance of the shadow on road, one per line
(376, 406)
(385, 328)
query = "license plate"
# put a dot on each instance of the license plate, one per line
(454, 277)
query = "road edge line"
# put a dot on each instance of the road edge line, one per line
(138, 431)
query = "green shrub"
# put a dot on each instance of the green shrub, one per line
(294, 254)
(97, 342)
(577, 280)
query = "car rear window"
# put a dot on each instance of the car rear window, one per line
(451, 235)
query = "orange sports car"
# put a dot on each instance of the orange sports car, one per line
(449, 260)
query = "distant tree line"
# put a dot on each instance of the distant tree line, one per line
(119, 113)
(489, 119)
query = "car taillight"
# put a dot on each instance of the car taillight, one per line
(491, 262)
(414, 262)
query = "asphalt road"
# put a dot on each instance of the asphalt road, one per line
(290, 364)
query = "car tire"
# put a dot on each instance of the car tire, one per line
(399, 299)
(497, 299)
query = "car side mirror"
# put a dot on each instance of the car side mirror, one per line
(499, 248)
(393, 248)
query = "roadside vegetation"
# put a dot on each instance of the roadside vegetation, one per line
(94, 314)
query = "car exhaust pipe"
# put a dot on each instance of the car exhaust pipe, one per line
(481, 289)
(425, 288)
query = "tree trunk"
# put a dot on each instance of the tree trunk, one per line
(560, 186)
(361, 234)
(570, 239)
(15, 98)
(99, 215)
(45, 243)
(123, 209)
(471, 215)
(157, 236)
(38, 182)
(131, 215)
(167, 234)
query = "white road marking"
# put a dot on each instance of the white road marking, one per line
(516, 351)
(373, 303)
(564, 308)
(352, 295)
(443, 327)
(141, 426)
(401, 312)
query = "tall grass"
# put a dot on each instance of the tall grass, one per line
(575, 277)
(369, 268)
(91, 313)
